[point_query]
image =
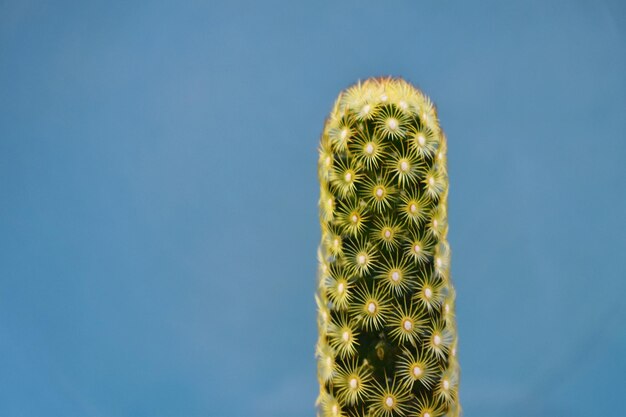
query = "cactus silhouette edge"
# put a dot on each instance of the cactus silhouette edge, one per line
(387, 338)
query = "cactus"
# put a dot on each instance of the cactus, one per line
(387, 330)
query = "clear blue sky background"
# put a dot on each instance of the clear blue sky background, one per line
(158, 198)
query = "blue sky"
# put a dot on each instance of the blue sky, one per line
(158, 198)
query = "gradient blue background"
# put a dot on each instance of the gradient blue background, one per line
(158, 198)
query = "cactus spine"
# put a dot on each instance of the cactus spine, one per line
(387, 331)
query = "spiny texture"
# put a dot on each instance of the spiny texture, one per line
(387, 331)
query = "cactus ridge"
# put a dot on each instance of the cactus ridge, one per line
(387, 343)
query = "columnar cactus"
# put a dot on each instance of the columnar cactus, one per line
(387, 332)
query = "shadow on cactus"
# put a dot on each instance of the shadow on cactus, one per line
(387, 331)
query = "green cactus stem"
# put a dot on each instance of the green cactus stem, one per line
(387, 331)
